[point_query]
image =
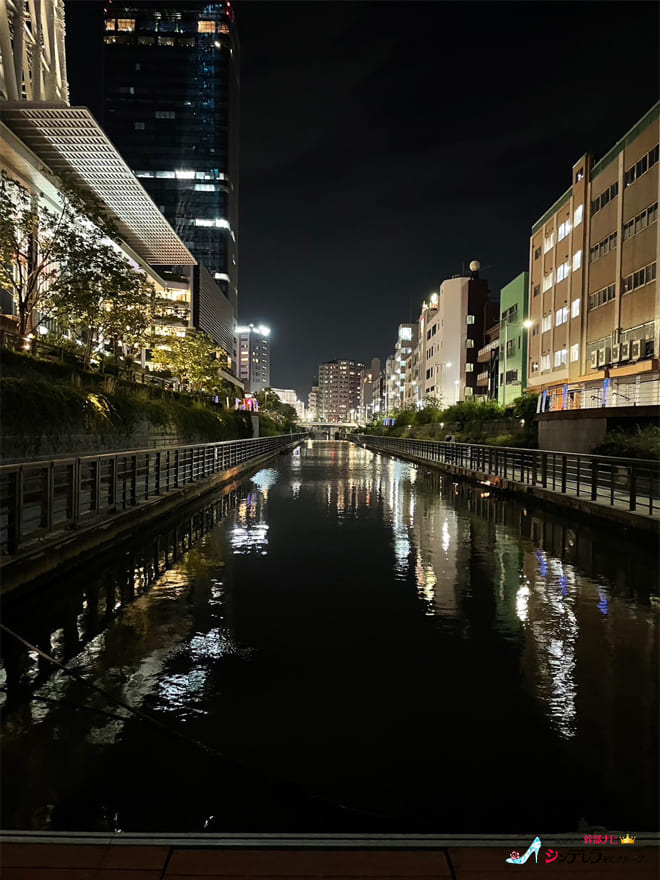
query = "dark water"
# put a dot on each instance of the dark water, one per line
(342, 643)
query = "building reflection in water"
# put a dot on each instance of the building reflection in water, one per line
(568, 606)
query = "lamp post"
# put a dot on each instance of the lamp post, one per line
(526, 324)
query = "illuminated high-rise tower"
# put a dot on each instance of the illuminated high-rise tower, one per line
(171, 108)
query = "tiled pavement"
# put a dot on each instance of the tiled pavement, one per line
(114, 861)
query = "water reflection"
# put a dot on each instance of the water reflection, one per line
(317, 624)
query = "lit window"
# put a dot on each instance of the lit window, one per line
(561, 316)
(125, 24)
(545, 362)
(546, 324)
(547, 281)
(139, 126)
(564, 229)
(549, 242)
(165, 114)
(575, 308)
(578, 215)
(575, 352)
(563, 271)
(110, 25)
(577, 260)
(205, 27)
(560, 357)
(470, 319)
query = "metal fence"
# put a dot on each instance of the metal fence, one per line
(630, 484)
(40, 497)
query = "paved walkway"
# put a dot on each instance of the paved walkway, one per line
(115, 861)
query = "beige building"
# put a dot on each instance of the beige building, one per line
(338, 396)
(594, 297)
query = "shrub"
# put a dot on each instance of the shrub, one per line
(643, 443)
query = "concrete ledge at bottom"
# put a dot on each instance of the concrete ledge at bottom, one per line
(42, 557)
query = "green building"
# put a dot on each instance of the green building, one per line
(514, 300)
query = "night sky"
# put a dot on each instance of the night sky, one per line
(385, 145)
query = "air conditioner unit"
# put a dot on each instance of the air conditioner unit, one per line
(616, 353)
(636, 349)
(603, 356)
(593, 360)
(648, 348)
(625, 351)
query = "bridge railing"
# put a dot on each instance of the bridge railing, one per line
(631, 484)
(40, 497)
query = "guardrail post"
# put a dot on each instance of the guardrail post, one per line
(633, 487)
(115, 482)
(146, 477)
(577, 477)
(97, 486)
(544, 470)
(50, 494)
(563, 473)
(594, 479)
(76, 491)
(134, 479)
(18, 509)
(158, 476)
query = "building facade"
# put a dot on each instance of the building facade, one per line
(171, 107)
(339, 391)
(368, 384)
(253, 357)
(594, 300)
(451, 332)
(513, 330)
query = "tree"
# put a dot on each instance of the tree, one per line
(283, 413)
(62, 264)
(192, 358)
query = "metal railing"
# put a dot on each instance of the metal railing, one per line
(630, 484)
(40, 497)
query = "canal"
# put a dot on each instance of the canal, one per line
(340, 642)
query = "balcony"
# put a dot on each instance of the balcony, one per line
(482, 378)
(484, 353)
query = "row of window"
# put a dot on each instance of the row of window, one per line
(560, 358)
(641, 221)
(561, 316)
(203, 27)
(639, 278)
(601, 297)
(641, 167)
(563, 231)
(604, 198)
(603, 247)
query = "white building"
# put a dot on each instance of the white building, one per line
(451, 331)
(253, 357)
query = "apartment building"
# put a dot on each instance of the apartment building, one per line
(594, 299)
(339, 390)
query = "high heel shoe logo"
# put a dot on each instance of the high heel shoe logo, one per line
(534, 847)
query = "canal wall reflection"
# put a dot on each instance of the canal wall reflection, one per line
(63, 618)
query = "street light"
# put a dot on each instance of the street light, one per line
(526, 324)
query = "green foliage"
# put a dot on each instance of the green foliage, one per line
(643, 443)
(192, 358)
(40, 398)
(57, 263)
(473, 421)
(274, 415)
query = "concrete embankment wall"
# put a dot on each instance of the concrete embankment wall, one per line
(59, 552)
(580, 506)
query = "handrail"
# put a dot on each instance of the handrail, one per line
(631, 483)
(39, 497)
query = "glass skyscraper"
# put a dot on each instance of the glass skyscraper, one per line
(171, 71)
